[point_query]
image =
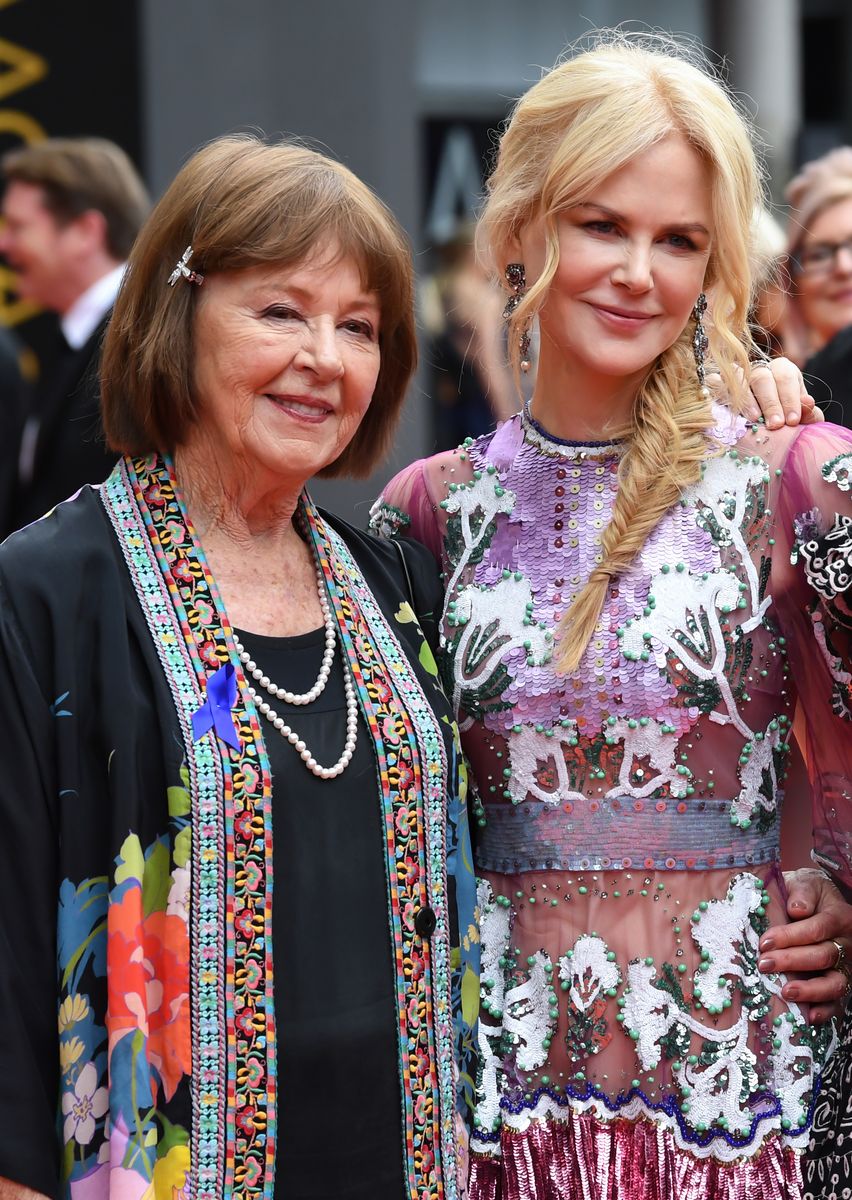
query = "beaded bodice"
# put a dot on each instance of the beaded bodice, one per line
(685, 645)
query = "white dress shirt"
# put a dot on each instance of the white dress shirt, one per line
(88, 310)
(77, 324)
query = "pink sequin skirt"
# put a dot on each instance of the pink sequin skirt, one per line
(585, 1158)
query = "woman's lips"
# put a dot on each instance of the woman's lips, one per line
(302, 409)
(621, 318)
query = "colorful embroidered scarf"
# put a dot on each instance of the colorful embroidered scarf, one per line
(220, 1057)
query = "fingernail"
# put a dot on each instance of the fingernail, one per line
(767, 943)
(791, 992)
(766, 965)
(797, 905)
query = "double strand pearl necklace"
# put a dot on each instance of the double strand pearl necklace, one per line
(299, 698)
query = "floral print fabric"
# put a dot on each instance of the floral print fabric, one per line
(125, 1008)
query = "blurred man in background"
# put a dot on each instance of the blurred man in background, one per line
(72, 208)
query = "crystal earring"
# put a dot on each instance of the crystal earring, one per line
(516, 277)
(700, 344)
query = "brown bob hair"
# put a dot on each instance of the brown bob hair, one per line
(240, 203)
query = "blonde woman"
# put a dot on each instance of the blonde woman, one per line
(639, 583)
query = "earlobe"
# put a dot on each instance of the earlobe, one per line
(513, 251)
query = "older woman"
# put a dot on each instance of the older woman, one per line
(193, 656)
(639, 584)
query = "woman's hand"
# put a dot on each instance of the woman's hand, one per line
(780, 396)
(819, 918)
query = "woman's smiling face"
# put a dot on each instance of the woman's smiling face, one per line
(824, 278)
(286, 362)
(632, 261)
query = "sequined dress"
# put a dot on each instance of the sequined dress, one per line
(628, 815)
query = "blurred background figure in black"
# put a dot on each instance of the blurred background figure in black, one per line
(71, 208)
(461, 313)
(12, 408)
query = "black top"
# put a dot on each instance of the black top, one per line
(12, 398)
(334, 996)
(828, 378)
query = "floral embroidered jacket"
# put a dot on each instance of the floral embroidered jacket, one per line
(628, 815)
(137, 1003)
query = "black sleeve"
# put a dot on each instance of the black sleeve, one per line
(425, 586)
(828, 378)
(29, 1042)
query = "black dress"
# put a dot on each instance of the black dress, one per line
(828, 377)
(335, 1012)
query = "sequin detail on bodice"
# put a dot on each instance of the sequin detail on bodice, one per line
(682, 637)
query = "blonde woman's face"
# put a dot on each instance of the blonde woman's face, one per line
(632, 262)
(824, 275)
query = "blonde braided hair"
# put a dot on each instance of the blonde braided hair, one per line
(586, 118)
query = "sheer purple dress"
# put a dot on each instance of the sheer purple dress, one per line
(628, 815)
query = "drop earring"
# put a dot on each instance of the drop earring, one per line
(700, 344)
(516, 278)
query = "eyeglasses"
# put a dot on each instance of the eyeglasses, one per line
(820, 258)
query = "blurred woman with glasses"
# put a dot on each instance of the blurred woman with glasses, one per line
(818, 322)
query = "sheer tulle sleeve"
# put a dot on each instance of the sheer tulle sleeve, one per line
(407, 507)
(813, 587)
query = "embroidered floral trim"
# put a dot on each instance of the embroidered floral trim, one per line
(387, 521)
(590, 975)
(546, 1104)
(230, 835)
(827, 557)
(716, 1084)
(413, 777)
(839, 470)
(661, 1022)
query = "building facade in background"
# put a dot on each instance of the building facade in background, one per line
(405, 94)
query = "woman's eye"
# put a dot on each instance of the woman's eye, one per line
(681, 242)
(281, 312)
(601, 226)
(363, 328)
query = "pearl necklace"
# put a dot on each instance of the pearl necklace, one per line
(280, 693)
(307, 697)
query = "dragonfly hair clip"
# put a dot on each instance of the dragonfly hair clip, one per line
(182, 270)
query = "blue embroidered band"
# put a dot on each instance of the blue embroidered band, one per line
(594, 836)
